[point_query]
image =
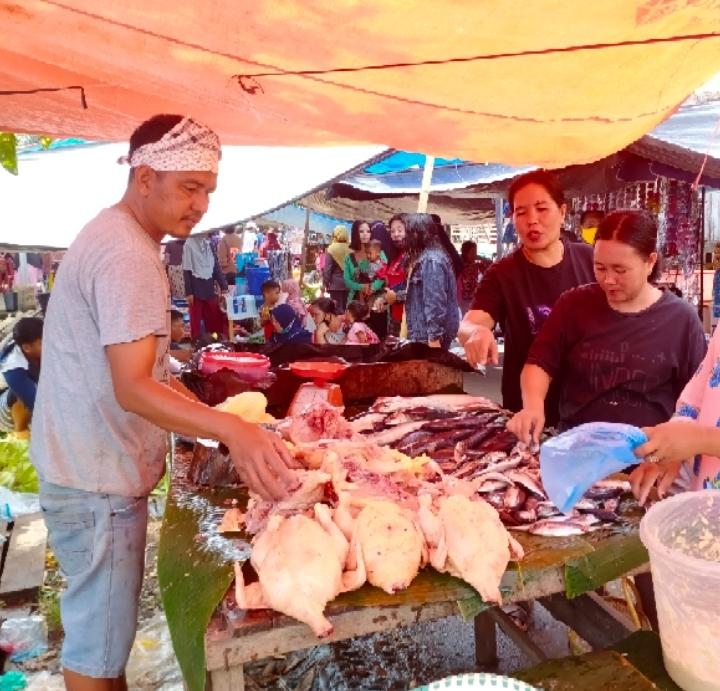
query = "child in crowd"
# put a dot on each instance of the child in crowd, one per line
(377, 270)
(178, 354)
(328, 325)
(360, 333)
(20, 365)
(271, 296)
(287, 326)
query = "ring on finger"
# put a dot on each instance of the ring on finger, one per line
(652, 458)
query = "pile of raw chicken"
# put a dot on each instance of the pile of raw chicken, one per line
(412, 482)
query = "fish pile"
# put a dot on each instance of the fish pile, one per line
(467, 438)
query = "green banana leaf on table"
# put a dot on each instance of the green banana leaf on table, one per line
(195, 569)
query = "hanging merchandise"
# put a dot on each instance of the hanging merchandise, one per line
(278, 263)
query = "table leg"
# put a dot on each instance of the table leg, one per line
(485, 642)
(232, 679)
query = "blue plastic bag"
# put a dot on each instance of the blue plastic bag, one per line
(575, 460)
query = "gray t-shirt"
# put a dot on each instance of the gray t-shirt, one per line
(111, 288)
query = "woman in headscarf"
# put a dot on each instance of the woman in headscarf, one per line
(288, 326)
(379, 231)
(291, 289)
(334, 271)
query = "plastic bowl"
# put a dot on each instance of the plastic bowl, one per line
(250, 366)
(318, 371)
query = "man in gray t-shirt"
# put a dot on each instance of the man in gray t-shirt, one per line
(105, 400)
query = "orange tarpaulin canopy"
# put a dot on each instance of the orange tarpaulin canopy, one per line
(544, 82)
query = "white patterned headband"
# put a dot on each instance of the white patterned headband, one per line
(188, 146)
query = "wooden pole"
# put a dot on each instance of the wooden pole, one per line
(425, 185)
(499, 217)
(306, 235)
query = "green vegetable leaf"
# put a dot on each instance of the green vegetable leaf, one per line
(16, 471)
(8, 152)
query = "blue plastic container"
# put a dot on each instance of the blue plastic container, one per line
(241, 286)
(256, 276)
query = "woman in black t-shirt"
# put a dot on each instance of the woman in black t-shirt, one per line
(519, 291)
(621, 349)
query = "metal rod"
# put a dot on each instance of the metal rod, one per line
(701, 301)
(425, 185)
(306, 235)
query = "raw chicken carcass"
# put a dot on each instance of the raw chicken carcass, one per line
(299, 562)
(468, 540)
(387, 547)
(312, 489)
(319, 421)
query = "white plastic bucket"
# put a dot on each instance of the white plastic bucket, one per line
(682, 535)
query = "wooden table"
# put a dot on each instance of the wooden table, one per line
(551, 569)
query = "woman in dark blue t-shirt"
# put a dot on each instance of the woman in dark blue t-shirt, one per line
(621, 350)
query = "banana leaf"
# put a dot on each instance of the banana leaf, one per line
(194, 573)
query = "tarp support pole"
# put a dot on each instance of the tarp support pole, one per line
(306, 235)
(425, 185)
(499, 216)
(701, 262)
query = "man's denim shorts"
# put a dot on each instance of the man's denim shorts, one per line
(99, 542)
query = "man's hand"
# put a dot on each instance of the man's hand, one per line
(390, 297)
(481, 347)
(528, 424)
(190, 299)
(261, 459)
(673, 441)
(648, 475)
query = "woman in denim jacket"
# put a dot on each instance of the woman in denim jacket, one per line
(431, 305)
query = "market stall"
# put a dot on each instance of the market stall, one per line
(562, 557)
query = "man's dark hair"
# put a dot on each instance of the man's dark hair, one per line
(150, 131)
(176, 315)
(592, 213)
(270, 285)
(27, 330)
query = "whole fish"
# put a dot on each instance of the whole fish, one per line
(623, 485)
(514, 498)
(566, 528)
(520, 477)
(490, 486)
(547, 510)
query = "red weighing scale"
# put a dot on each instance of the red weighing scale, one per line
(320, 388)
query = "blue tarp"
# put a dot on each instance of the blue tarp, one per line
(294, 215)
(405, 160)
